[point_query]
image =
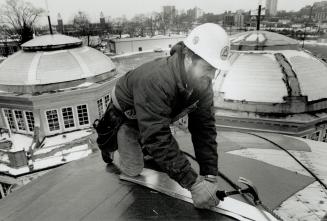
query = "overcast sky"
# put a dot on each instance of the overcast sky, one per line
(117, 8)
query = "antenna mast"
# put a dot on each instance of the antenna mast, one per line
(49, 21)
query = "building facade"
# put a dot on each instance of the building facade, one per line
(169, 13)
(239, 19)
(128, 45)
(320, 11)
(94, 28)
(195, 13)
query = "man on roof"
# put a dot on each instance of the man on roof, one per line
(160, 92)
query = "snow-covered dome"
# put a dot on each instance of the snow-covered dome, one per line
(270, 73)
(53, 59)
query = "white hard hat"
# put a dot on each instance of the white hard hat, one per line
(211, 43)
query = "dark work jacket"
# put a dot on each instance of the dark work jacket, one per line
(158, 93)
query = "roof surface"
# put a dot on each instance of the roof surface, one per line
(88, 190)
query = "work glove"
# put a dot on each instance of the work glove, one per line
(204, 193)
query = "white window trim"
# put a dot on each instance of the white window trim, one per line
(88, 116)
(16, 121)
(47, 122)
(63, 121)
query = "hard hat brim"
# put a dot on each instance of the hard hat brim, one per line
(217, 64)
(220, 65)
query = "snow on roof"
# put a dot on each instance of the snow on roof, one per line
(65, 138)
(313, 194)
(19, 141)
(68, 155)
(255, 37)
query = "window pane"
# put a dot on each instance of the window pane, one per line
(30, 120)
(20, 119)
(100, 107)
(53, 121)
(10, 118)
(107, 100)
(68, 117)
(83, 117)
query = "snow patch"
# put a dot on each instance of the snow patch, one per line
(86, 84)
(69, 137)
(256, 37)
(20, 141)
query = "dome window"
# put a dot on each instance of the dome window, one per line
(83, 117)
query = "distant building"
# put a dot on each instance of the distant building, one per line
(128, 45)
(195, 13)
(320, 11)
(228, 19)
(271, 7)
(239, 19)
(94, 28)
(169, 13)
(284, 21)
(8, 47)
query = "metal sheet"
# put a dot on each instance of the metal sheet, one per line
(230, 207)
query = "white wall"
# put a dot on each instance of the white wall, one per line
(146, 44)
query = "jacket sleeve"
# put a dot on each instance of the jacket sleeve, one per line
(201, 124)
(153, 109)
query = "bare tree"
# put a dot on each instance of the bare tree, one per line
(81, 22)
(18, 17)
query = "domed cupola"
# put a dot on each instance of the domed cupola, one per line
(53, 62)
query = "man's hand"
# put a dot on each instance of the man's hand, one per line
(204, 193)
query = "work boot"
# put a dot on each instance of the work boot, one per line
(108, 157)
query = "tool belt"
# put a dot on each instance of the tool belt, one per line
(107, 128)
